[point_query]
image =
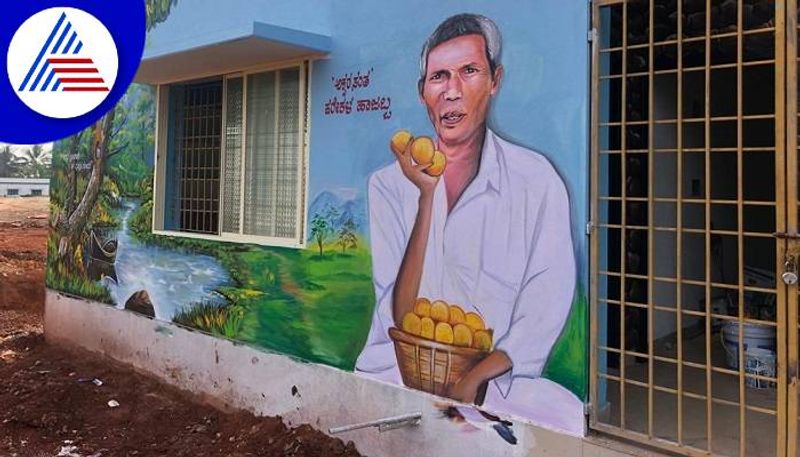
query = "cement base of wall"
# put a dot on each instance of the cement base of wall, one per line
(235, 375)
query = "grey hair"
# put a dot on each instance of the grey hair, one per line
(460, 25)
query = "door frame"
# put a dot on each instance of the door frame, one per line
(790, 190)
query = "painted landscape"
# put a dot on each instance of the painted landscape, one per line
(314, 304)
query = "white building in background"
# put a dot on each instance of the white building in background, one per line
(24, 187)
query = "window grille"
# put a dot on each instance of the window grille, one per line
(195, 152)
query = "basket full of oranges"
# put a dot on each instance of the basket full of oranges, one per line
(438, 343)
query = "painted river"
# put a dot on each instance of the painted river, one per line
(172, 278)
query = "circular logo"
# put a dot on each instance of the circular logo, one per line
(62, 62)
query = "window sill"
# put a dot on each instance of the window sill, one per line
(236, 238)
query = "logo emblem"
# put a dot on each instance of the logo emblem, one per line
(62, 62)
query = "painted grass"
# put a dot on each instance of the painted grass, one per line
(212, 318)
(339, 298)
(318, 309)
(57, 277)
(568, 361)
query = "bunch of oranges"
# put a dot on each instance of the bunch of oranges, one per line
(423, 151)
(447, 324)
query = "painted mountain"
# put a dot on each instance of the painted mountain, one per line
(347, 204)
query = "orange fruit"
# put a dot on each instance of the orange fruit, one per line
(422, 150)
(462, 336)
(437, 164)
(456, 315)
(400, 141)
(482, 340)
(440, 312)
(444, 333)
(412, 324)
(426, 328)
(474, 321)
(422, 307)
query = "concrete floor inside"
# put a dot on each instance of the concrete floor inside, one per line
(760, 429)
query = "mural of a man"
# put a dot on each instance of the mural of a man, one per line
(493, 234)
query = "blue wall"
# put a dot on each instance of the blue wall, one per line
(195, 23)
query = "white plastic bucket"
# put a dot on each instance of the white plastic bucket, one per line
(755, 337)
(760, 362)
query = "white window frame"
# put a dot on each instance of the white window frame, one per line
(161, 151)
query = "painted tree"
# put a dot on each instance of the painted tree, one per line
(320, 229)
(158, 11)
(71, 220)
(347, 235)
(130, 168)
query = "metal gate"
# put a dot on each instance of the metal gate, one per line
(695, 213)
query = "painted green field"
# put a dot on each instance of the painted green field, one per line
(298, 303)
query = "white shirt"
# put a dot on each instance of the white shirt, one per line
(504, 251)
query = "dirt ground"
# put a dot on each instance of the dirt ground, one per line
(51, 405)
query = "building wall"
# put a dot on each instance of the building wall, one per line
(320, 306)
(24, 187)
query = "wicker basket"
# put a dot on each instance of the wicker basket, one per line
(433, 367)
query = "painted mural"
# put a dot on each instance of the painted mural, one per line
(471, 245)
(441, 253)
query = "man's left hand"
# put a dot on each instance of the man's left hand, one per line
(465, 390)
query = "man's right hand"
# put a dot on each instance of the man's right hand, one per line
(416, 173)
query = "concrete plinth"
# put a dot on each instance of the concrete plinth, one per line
(235, 375)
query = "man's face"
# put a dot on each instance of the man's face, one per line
(458, 88)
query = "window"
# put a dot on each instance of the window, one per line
(234, 161)
(36, 192)
(12, 192)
